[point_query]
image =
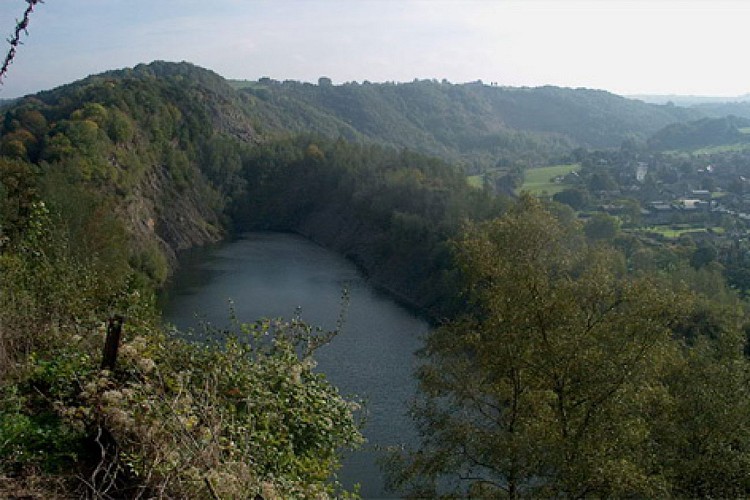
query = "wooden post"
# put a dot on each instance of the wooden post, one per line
(112, 343)
(211, 489)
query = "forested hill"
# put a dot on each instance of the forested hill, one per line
(168, 83)
(702, 133)
(464, 120)
(473, 124)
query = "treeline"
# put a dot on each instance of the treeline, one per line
(391, 212)
(155, 145)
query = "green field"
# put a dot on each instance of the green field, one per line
(539, 180)
(476, 181)
(725, 148)
(675, 231)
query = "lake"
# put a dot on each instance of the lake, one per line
(271, 275)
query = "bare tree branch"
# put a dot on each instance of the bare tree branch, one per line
(15, 40)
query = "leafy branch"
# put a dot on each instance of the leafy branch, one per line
(15, 40)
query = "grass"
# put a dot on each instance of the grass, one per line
(724, 148)
(539, 180)
(476, 181)
(675, 231)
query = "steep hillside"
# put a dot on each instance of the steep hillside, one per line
(158, 142)
(168, 144)
(100, 183)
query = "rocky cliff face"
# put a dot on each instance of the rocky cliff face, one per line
(176, 220)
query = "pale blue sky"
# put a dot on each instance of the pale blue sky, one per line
(625, 46)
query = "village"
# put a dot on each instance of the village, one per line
(674, 202)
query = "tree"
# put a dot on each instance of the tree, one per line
(576, 198)
(545, 386)
(602, 227)
(601, 181)
(15, 40)
(703, 255)
(702, 437)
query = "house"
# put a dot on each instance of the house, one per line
(659, 212)
(701, 194)
(692, 204)
(640, 171)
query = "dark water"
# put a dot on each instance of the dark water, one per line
(272, 274)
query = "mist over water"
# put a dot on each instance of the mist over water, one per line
(272, 275)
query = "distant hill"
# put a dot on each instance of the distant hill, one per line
(708, 106)
(688, 100)
(176, 157)
(702, 133)
(463, 121)
(5, 102)
(476, 125)
(717, 110)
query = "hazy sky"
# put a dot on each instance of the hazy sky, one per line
(655, 46)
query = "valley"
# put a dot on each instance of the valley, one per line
(581, 260)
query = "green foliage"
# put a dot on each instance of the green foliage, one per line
(702, 437)
(246, 415)
(563, 377)
(703, 255)
(120, 127)
(152, 263)
(18, 192)
(51, 286)
(577, 199)
(51, 293)
(560, 375)
(34, 438)
(240, 417)
(602, 227)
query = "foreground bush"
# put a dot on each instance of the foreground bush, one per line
(228, 418)
(231, 415)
